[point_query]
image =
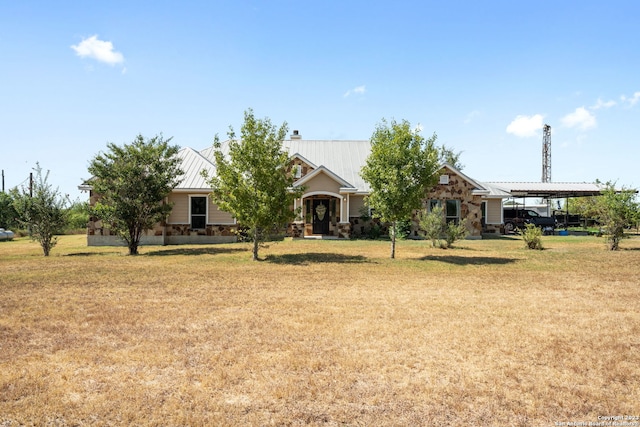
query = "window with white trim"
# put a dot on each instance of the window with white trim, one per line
(450, 208)
(452, 211)
(198, 212)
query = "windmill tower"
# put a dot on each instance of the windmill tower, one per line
(546, 153)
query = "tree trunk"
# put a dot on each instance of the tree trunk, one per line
(255, 245)
(393, 239)
(133, 249)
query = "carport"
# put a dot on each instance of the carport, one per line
(550, 190)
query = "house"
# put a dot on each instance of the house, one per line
(332, 206)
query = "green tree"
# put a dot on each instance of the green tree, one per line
(42, 210)
(447, 155)
(251, 182)
(616, 210)
(586, 207)
(132, 182)
(400, 168)
(78, 216)
(8, 214)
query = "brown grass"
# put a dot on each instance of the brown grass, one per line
(320, 333)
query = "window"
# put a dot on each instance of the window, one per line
(452, 211)
(483, 209)
(307, 211)
(332, 209)
(433, 204)
(297, 171)
(198, 212)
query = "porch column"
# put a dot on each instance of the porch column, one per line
(344, 208)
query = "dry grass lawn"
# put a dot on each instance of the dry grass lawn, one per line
(320, 333)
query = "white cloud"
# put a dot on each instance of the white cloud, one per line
(525, 126)
(631, 101)
(580, 118)
(358, 90)
(99, 50)
(603, 104)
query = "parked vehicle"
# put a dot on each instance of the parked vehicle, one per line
(518, 218)
(6, 234)
(568, 220)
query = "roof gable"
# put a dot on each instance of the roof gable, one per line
(192, 164)
(323, 170)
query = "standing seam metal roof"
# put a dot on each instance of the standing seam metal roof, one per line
(344, 158)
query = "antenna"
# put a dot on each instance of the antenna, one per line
(546, 153)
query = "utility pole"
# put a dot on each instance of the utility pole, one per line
(546, 153)
(30, 184)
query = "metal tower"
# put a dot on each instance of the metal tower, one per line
(546, 153)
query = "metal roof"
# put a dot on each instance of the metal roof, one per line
(495, 191)
(192, 164)
(550, 189)
(343, 158)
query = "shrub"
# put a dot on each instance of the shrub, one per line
(453, 232)
(432, 224)
(532, 236)
(404, 228)
(434, 227)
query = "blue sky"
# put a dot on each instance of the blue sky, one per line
(484, 76)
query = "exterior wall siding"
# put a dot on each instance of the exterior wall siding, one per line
(216, 216)
(322, 182)
(180, 212)
(494, 211)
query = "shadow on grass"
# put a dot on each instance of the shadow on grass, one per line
(315, 258)
(87, 254)
(459, 260)
(205, 250)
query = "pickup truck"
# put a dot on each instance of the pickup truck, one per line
(518, 218)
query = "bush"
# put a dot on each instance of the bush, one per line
(404, 228)
(532, 236)
(435, 227)
(78, 218)
(454, 232)
(432, 224)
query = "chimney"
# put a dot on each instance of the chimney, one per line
(296, 135)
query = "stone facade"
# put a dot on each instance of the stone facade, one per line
(459, 189)
(296, 229)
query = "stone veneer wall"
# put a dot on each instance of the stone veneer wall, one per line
(363, 227)
(470, 204)
(295, 229)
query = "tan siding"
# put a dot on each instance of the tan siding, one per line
(494, 206)
(216, 216)
(355, 204)
(180, 212)
(322, 182)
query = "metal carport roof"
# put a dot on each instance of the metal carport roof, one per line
(553, 190)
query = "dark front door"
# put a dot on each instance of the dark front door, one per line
(321, 216)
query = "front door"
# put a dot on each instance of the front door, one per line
(321, 216)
